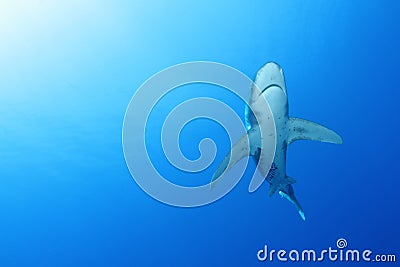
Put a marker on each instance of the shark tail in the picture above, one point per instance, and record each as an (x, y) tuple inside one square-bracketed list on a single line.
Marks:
[(289, 195), (300, 129)]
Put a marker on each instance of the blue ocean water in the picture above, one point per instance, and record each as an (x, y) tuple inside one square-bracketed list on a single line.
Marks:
[(68, 70)]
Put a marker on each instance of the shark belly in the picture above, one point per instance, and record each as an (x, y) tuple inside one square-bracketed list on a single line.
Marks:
[(277, 100)]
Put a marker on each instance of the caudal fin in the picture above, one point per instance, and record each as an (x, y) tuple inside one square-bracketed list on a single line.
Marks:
[(300, 129), (289, 195)]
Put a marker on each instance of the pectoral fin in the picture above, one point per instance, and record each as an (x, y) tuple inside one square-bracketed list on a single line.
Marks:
[(240, 150), (300, 129)]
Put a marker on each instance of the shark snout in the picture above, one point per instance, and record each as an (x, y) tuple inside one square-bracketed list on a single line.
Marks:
[(273, 66), (271, 75)]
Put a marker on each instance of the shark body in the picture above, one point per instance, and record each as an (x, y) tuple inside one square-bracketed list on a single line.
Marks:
[(271, 87)]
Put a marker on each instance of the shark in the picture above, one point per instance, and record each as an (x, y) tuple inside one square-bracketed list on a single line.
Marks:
[(270, 86)]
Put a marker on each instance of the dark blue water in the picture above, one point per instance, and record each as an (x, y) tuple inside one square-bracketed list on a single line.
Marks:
[(68, 70)]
